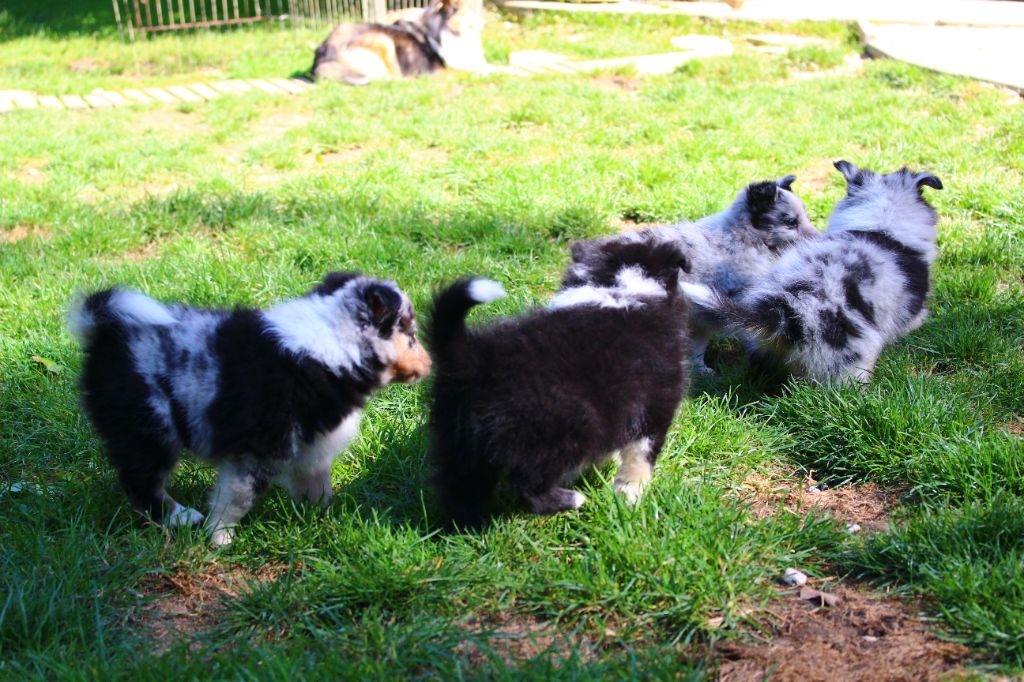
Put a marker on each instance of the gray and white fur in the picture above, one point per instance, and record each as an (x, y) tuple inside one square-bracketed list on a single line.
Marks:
[(829, 306), (729, 251)]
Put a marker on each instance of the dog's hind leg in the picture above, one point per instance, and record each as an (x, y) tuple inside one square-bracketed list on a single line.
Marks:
[(143, 463), (239, 485), (466, 494)]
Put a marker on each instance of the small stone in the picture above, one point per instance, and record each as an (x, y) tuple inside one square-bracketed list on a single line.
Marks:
[(853, 528), (814, 490), (818, 597), (794, 578), (870, 638)]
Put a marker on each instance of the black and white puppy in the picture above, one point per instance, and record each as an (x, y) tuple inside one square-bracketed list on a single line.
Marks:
[(729, 250), (536, 398), (829, 306), (267, 396)]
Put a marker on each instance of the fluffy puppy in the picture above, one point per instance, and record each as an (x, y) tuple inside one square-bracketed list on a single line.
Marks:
[(267, 396), (829, 306), (729, 250), (534, 399)]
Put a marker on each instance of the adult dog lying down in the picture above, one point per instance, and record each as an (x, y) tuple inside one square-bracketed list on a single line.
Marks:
[(445, 35)]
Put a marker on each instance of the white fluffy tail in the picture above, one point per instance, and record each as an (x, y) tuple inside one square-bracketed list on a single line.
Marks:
[(485, 290), (116, 306)]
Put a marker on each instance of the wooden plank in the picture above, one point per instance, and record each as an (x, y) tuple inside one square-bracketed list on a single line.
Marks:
[(50, 102), (184, 94), (265, 86), (287, 85), (73, 102), (115, 98), (161, 95), (97, 101), (136, 96), (204, 91)]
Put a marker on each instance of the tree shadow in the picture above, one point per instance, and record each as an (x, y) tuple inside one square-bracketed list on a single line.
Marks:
[(20, 18)]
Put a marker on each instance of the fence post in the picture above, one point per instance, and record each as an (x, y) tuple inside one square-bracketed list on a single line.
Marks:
[(380, 9)]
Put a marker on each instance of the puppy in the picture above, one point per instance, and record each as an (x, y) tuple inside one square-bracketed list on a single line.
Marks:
[(446, 34), (829, 306), (729, 250), (536, 398), (267, 396)]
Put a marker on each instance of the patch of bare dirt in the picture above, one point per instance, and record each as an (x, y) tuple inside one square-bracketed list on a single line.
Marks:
[(617, 82), (280, 123), (89, 64), (627, 225), (20, 232), (517, 637), (345, 156), (182, 604), (817, 176), (163, 120), (866, 637), (1016, 427), (158, 185), (31, 172), (866, 504)]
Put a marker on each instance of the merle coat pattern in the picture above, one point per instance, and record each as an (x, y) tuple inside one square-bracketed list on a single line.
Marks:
[(729, 250), (829, 306), (265, 395), (536, 398)]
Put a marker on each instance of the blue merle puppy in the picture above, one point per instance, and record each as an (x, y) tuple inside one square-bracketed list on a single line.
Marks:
[(729, 251), (534, 399), (829, 306), (267, 396)]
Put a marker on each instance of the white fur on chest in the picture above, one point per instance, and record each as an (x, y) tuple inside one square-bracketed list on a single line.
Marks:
[(326, 446)]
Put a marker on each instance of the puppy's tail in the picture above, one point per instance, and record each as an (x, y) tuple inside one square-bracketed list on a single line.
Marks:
[(768, 319), (447, 327), (115, 307)]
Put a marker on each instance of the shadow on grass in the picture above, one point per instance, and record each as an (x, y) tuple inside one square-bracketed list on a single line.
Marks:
[(19, 18)]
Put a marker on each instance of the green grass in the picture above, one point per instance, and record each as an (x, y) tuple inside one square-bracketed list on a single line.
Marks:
[(248, 200)]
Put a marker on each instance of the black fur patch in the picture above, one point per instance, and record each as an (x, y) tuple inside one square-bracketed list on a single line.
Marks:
[(836, 328), (776, 315), (910, 262), (603, 262), (334, 281), (854, 299)]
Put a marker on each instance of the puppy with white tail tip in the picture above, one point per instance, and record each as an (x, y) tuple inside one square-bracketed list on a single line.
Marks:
[(534, 399), (267, 396), (829, 306)]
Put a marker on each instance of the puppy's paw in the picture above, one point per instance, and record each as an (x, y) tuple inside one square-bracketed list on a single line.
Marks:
[(183, 516), (578, 500), (631, 491), (222, 537)]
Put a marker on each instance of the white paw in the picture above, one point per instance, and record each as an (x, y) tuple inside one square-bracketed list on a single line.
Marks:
[(631, 491), (182, 516), (222, 537), (578, 499)]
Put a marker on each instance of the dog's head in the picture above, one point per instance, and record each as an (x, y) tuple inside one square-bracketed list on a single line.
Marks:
[(601, 262), (777, 216), (894, 201), (351, 322)]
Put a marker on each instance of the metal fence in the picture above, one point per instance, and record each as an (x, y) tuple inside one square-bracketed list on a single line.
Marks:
[(137, 18)]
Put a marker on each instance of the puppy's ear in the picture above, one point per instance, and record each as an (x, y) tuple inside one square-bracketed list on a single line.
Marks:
[(850, 172), (334, 281), (384, 304), (786, 182), (927, 180), (761, 197)]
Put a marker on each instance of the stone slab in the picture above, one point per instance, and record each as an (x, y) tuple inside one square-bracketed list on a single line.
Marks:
[(161, 95), (954, 12), (136, 96), (204, 91), (73, 102), (183, 93), (97, 101), (995, 55), (265, 86)]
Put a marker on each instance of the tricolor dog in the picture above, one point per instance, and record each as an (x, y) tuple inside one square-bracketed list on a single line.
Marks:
[(265, 395)]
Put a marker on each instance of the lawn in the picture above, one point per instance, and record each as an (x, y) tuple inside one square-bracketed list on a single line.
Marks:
[(251, 199)]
